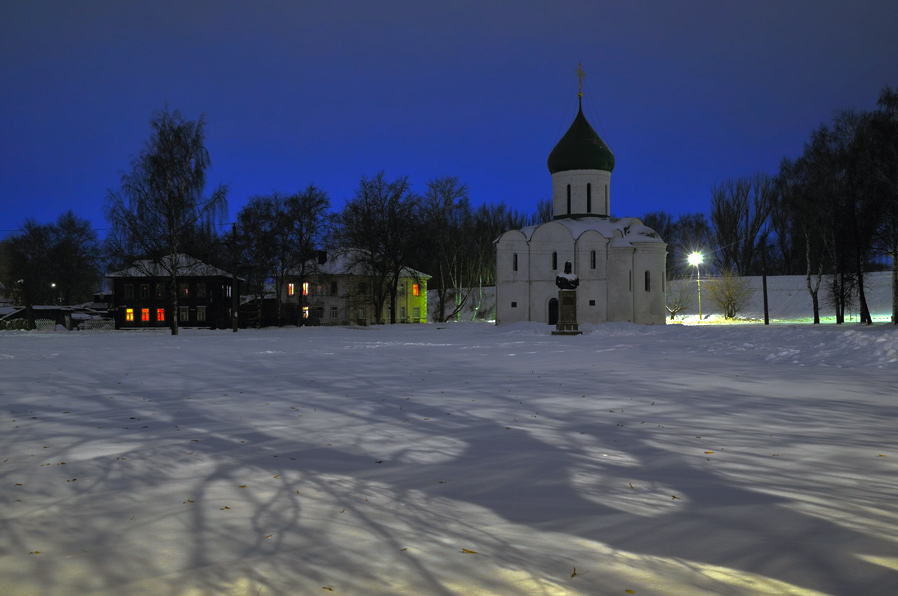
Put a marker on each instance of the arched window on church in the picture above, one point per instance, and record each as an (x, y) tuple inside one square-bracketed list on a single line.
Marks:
[(588, 197), (592, 259), (554, 261), (568, 199), (648, 281), (514, 262)]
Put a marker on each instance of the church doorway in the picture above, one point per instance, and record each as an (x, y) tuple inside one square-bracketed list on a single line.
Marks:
[(553, 311)]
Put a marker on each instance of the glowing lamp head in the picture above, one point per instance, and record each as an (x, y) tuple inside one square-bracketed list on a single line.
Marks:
[(695, 258)]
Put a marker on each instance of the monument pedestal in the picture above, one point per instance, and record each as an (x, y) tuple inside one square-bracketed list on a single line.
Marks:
[(567, 314)]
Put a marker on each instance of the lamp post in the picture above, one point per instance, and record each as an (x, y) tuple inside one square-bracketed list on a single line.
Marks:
[(695, 259)]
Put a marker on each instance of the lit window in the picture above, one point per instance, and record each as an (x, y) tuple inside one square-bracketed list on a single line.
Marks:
[(305, 289), (291, 289), (416, 291), (305, 312), (129, 314), (200, 313), (145, 315), (160, 314)]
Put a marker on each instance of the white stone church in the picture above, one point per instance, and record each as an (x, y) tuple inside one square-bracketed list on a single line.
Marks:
[(620, 262)]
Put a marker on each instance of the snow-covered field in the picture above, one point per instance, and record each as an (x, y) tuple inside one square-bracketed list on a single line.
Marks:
[(451, 459)]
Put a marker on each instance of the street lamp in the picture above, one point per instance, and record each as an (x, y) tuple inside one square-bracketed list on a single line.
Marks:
[(695, 259)]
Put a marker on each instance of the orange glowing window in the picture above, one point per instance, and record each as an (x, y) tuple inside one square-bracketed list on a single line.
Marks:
[(291, 289), (129, 314), (305, 289), (160, 314), (145, 314), (416, 291), (305, 312)]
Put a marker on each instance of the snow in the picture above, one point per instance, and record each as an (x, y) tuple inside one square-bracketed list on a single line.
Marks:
[(451, 459)]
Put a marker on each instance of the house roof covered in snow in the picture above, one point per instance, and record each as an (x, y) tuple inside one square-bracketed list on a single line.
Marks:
[(351, 262), (186, 265)]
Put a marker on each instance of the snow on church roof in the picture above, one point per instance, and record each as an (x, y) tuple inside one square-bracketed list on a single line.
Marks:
[(629, 229)]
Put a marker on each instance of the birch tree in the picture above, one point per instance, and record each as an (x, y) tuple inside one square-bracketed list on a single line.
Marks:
[(161, 200)]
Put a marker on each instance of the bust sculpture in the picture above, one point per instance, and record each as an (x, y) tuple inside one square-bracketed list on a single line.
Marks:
[(567, 280)]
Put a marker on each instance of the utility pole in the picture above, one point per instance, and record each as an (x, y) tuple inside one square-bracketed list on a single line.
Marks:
[(764, 279), (235, 294)]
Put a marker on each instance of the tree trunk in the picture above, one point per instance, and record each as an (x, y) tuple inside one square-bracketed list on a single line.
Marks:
[(894, 254), (862, 298), (813, 291), (174, 300)]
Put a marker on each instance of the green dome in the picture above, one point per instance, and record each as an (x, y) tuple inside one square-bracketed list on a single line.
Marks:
[(580, 148)]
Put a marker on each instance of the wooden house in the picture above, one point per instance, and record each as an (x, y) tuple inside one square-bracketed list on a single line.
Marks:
[(141, 295)]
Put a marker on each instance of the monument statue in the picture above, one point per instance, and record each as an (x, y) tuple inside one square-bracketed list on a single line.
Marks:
[(567, 280)]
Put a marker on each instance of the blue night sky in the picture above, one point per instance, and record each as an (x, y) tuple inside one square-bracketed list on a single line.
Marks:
[(686, 94)]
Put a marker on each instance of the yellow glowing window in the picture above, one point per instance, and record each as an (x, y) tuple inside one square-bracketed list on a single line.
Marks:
[(145, 314), (160, 314), (416, 291), (291, 289), (305, 289), (305, 312), (129, 314)]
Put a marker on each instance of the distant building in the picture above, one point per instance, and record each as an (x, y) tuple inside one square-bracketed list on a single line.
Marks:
[(141, 295), (620, 262), (340, 292)]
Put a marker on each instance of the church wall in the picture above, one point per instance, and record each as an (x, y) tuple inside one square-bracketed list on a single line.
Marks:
[(649, 306), (551, 245), (593, 280), (512, 283), (620, 265), (599, 181)]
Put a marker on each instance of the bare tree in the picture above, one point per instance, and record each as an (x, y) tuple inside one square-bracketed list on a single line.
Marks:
[(308, 213), (730, 292), (446, 214), (161, 199), (56, 263), (378, 228), (739, 211), (679, 296), (884, 127)]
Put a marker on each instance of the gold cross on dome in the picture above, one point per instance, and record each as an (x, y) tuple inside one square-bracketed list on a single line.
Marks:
[(580, 76)]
